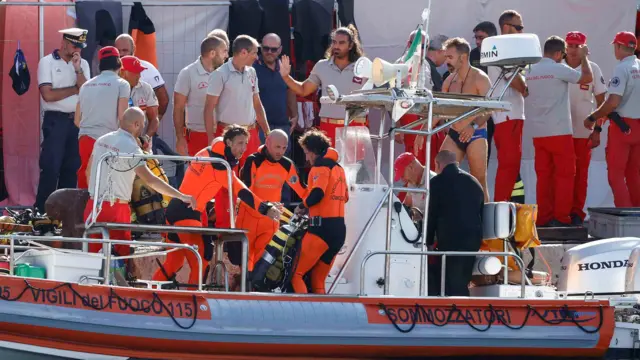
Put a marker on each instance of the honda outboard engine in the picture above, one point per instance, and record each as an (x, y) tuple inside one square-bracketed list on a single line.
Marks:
[(597, 267)]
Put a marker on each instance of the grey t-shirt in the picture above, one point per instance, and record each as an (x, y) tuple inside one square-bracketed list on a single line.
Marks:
[(98, 101), (236, 90), (547, 106), (326, 73), (626, 83), (193, 82), (116, 175), (143, 96)]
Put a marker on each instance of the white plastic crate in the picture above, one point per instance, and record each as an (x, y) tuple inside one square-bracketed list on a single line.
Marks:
[(69, 265), (603, 223)]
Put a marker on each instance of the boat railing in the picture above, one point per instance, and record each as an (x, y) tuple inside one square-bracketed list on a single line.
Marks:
[(443, 254), (228, 235), (144, 157), (107, 250)]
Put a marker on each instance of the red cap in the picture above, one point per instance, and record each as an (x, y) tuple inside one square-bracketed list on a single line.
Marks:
[(401, 164), (132, 64), (625, 38), (108, 51), (576, 38)]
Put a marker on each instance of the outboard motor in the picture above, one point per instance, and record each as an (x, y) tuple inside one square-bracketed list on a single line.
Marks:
[(597, 267), (279, 259)]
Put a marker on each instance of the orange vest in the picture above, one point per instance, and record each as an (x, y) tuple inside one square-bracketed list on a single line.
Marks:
[(328, 176)]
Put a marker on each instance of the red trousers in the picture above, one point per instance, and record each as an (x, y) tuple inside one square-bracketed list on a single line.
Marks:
[(85, 144), (174, 261), (196, 141), (116, 213), (223, 220), (582, 149), (508, 140), (555, 163), (623, 163)]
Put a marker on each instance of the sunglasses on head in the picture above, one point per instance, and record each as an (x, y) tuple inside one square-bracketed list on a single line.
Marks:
[(269, 49), (517, 27)]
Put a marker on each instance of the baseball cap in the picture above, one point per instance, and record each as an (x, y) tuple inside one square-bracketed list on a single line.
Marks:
[(625, 38), (401, 164), (108, 51), (576, 38), (132, 64), (437, 42)]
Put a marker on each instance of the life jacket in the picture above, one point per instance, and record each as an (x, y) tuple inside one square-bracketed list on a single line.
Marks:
[(525, 236), (278, 262), (148, 205)]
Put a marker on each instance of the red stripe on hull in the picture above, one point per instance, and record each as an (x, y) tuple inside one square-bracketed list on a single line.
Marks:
[(117, 345)]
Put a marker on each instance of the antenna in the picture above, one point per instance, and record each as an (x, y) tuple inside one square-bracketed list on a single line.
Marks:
[(426, 14)]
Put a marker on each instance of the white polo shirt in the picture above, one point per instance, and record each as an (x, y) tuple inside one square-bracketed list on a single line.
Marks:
[(236, 90), (547, 106), (143, 96), (511, 95), (116, 175), (583, 102), (151, 75), (54, 71), (193, 82), (98, 101), (626, 83), (326, 73)]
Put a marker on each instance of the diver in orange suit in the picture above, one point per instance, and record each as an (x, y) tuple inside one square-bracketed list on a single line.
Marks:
[(203, 180), (265, 172), (325, 201)]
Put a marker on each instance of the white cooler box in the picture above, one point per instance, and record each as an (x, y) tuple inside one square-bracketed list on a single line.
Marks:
[(68, 266), (614, 222)]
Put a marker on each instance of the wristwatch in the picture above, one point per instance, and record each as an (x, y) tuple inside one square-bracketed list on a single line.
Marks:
[(597, 128), (79, 71)]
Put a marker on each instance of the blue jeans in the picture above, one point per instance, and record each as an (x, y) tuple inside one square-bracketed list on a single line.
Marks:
[(286, 190)]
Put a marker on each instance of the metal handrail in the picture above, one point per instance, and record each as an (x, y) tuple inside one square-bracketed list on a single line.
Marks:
[(107, 249), (96, 191), (444, 254), (103, 228)]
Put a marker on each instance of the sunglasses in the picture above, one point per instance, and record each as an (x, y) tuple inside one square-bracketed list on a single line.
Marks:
[(270, 49), (517, 27)]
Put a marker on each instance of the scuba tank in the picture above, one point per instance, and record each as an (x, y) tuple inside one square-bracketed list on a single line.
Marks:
[(279, 259)]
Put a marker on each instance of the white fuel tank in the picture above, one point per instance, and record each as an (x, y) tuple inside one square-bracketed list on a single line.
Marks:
[(599, 266)]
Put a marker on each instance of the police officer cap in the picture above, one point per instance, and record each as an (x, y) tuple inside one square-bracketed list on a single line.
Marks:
[(76, 36)]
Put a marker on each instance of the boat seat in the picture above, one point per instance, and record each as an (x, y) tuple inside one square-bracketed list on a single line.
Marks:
[(498, 220)]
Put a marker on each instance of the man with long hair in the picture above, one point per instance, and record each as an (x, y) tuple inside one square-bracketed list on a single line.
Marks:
[(336, 69)]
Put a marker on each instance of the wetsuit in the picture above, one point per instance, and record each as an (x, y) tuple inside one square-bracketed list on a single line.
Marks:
[(203, 180), (326, 199), (265, 177)]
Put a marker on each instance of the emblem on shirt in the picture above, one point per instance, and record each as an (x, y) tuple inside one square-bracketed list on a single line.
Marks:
[(357, 80), (203, 85), (615, 81), (584, 87), (156, 78), (294, 179), (315, 177), (602, 79)]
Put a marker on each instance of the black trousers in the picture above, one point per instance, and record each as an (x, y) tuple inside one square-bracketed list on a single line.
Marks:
[(59, 156), (457, 276)]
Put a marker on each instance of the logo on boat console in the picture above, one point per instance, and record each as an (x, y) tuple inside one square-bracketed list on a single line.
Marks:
[(489, 54), (601, 265)]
